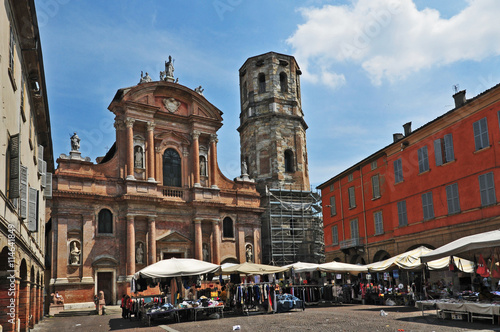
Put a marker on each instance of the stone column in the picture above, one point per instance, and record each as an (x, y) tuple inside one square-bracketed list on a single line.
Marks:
[(198, 250), (196, 157), (151, 240), (213, 160), (257, 247), (216, 240), (130, 148), (151, 152), (130, 245)]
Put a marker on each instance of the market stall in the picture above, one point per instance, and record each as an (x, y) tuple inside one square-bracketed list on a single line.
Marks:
[(253, 288), (176, 276), (483, 301)]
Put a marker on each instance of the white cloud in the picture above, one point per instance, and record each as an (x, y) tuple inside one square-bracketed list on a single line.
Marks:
[(391, 39)]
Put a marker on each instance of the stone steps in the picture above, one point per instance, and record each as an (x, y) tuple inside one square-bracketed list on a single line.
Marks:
[(77, 312)]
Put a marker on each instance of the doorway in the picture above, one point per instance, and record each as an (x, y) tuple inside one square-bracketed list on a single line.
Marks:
[(105, 284), (168, 255)]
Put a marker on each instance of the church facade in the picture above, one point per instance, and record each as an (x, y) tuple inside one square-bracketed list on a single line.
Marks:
[(157, 194)]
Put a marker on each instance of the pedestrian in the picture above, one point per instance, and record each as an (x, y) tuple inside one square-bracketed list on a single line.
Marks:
[(123, 305)]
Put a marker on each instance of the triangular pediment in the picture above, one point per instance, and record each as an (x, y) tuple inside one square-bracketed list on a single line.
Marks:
[(173, 237)]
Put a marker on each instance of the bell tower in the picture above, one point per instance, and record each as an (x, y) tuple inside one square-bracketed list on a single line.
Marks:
[(272, 127)]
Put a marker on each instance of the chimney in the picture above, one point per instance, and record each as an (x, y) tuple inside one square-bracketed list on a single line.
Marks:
[(397, 136), (459, 98), (407, 127)]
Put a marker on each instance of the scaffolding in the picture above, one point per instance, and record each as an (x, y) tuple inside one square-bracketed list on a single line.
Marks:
[(292, 227)]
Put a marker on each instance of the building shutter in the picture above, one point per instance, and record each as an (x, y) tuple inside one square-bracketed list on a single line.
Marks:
[(40, 159), (44, 171), (438, 153), (33, 210), (448, 148), (23, 206), (47, 193), (14, 166)]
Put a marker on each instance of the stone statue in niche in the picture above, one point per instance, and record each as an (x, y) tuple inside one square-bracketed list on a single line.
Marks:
[(206, 254), (138, 157), (249, 253), (139, 254), (203, 166), (244, 168), (75, 142), (74, 254)]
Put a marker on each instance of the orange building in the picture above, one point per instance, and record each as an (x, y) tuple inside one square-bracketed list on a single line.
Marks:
[(158, 193), (429, 187)]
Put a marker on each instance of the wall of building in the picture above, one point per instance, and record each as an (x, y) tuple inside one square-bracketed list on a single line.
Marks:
[(463, 170), (26, 145)]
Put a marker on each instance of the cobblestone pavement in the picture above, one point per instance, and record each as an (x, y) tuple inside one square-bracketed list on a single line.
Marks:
[(334, 318)]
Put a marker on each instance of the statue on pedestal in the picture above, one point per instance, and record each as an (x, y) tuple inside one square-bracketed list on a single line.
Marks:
[(75, 142)]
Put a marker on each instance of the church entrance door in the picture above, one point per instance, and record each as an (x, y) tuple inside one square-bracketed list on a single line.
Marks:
[(104, 283)]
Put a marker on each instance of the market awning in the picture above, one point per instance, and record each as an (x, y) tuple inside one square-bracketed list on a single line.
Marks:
[(411, 260), (300, 267), (472, 242), (177, 267), (339, 267), (252, 269)]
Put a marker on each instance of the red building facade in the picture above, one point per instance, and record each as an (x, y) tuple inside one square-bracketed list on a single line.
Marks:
[(429, 187)]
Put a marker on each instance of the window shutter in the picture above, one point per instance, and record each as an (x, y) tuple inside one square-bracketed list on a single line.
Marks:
[(23, 190), (40, 159), (44, 171), (14, 166), (33, 210), (448, 148), (438, 153), (47, 193)]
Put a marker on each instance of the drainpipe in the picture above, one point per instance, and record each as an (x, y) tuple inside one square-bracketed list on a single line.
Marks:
[(364, 214)]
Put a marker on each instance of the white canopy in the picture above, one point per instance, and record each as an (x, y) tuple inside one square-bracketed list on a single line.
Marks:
[(300, 267), (411, 260), (177, 267), (342, 267), (472, 242), (252, 269)]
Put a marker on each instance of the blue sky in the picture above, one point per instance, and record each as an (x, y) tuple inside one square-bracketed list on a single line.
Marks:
[(369, 66)]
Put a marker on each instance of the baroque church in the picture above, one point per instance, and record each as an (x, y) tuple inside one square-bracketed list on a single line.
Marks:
[(158, 193)]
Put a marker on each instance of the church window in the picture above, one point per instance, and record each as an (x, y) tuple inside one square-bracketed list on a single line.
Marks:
[(244, 91), (283, 82), (262, 83), (289, 161), (227, 228), (171, 168), (105, 222)]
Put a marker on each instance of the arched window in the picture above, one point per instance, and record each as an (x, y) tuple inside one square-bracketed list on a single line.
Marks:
[(227, 228), (244, 92), (289, 161), (171, 168), (262, 83), (105, 222), (283, 82)]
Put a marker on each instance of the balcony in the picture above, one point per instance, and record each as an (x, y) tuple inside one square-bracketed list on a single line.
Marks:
[(351, 243), (173, 192)]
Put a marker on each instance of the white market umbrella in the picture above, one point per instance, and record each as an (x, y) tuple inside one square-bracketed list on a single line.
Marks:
[(300, 267), (338, 267), (177, 267), (472, 242), (252, 269)]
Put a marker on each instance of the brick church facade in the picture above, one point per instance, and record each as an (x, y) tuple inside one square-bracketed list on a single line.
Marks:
[(158, 193)]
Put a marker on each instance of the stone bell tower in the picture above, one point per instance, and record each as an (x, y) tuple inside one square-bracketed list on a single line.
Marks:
[(272, 127)]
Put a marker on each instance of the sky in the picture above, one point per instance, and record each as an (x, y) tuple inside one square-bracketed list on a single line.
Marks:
[(369, 66)]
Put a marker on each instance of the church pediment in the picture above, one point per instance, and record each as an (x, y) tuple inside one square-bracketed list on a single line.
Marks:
[(104, 261), (173, 237)]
